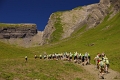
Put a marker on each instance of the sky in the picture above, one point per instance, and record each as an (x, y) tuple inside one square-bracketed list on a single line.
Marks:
[(36, 11)]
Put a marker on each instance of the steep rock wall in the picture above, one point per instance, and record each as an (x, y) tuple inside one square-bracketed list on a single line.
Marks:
[(67, 21), (25, 35), (90, 15), (48, 29), (17, 30), (27, 41)]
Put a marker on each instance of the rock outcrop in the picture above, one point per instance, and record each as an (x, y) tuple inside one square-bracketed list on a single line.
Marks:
[(25, 35), (17, 30), (90, 15), (48, 30), (60, 25)]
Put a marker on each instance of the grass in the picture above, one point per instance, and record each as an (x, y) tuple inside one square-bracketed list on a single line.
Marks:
[(78, 8), (15, 25), (57, 34), (105, 38), (10, 51), (13, 66), (40, 69)]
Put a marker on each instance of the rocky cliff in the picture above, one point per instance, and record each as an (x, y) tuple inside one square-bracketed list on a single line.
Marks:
[(17, 30), (25, 35), (69, 21), (60, 25)]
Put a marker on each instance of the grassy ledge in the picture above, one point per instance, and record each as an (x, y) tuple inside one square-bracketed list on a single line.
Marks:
[(17, 25)]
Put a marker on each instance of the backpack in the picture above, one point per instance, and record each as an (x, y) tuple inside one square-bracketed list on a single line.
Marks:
[(101, 63)]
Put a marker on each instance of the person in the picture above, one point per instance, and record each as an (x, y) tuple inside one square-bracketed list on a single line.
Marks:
[(101, 68), (25, 58), (45, 55), (86, 56), (75, 56), (96, 60), (49, 56), (106, 64), (70, 56), (89, 58), (79, 58), (35, 56), (83, 59), (40, 56)]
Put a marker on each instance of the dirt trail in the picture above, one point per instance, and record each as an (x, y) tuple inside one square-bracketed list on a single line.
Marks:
[(112, 75)]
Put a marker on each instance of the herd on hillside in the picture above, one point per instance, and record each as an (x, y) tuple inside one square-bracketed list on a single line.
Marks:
[(101, 60)]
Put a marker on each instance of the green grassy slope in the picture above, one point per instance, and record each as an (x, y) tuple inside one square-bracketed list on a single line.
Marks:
[(12, 52), (104, 38), (14, 67), (14, 25), (56, 35)]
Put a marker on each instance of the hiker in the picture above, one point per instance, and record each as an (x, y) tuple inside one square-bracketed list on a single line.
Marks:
[(56, 54), (75, 56), (101, 68), (45, 56), (89, 58), (86, 58), (61, 56), (64, 55), (49, 56), (53, 56), (25, 58), (40, 56), (97, 60), (70, 57), (67, 56), (79, 58), (83, 59), (106, 64), (35, 56)]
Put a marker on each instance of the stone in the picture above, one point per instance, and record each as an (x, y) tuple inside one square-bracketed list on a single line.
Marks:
[(17, 30)]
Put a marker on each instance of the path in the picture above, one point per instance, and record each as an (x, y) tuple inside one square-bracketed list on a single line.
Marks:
[(112, 75)]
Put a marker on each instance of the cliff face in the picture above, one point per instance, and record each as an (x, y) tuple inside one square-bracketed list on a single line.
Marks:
[(25, 35), (17, 30), (60, 25), (90, 15), (48, 30)]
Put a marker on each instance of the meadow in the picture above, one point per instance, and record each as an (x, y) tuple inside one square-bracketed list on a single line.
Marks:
[(103, 38)]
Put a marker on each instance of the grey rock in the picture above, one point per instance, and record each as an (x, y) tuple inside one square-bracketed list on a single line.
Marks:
[(92, 15), (18, 31)]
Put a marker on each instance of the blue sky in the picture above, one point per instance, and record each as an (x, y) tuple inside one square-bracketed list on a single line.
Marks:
[(36, 11)]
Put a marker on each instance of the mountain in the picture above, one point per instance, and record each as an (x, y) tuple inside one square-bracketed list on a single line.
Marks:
[(82, 37), (61, 24)]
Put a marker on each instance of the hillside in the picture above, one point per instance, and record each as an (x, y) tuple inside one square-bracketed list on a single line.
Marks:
[(103, 38), (62, 24), (14, 67), (85, 37)]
